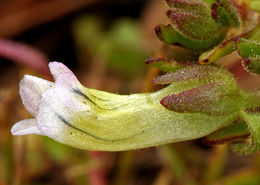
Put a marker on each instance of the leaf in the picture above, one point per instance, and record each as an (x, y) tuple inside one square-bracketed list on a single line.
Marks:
[(194, 26), (234, 132), (251, 25), (212, 98), (250, 52), (166, 64), (224, 12), (197, 26), (196, 72), (251, 30), (218, 93), (169, 35), (221, 50), (194, 6), (253, 144)]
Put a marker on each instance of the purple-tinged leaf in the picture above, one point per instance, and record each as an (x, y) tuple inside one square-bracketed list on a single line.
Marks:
[(194, 26), (224, 12), (196, 6), (192, 73), (212, 98)]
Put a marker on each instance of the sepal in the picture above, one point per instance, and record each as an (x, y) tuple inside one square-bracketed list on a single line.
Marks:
[(224, 12), (197, 26), (166, 65), (251, 145), (212, 98), (236, 132), (250, 53), (203, 73)]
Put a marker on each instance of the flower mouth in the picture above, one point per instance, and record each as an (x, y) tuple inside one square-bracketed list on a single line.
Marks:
[(38, 94)]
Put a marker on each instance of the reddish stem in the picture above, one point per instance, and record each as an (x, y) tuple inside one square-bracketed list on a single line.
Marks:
[(98, 175), (24, 55)]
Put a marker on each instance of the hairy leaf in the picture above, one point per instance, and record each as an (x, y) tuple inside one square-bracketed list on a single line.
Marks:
[(250, 31), (232, 133), (166, 64), (212, 98), (194, 26), (169, 35), (194, 6), (196, 72), (198, 25), (224, 12), (253, 144), (221, 50), (250, 52)]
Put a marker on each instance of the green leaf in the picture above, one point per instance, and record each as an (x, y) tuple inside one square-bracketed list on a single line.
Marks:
[(166, 65), (194, 6), (251, 26), (221, 50), (250, 52), (234, 132), (224, 12), (169, 35), (251, 30), (253, 145), (196, 26), (205, 73), (248, 49)]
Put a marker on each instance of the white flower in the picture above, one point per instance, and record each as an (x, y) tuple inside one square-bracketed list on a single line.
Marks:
[(47, 102), (91, 119)]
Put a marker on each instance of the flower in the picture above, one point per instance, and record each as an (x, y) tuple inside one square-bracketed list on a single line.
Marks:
[(91, 119), (46, 101)]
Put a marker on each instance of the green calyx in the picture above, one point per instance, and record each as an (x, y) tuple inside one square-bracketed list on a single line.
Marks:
[(216, 93), (250, 53), (197, 25), (236, 132), (247, 45)]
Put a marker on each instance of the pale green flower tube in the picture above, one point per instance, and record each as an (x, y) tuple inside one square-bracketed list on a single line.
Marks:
[(95, 120)]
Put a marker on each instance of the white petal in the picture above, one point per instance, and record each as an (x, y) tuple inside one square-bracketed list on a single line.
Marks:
[(31, 89), (25, 127), (48, 117), (65, 87), (71, 100), (67, 80), (58, 68)]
